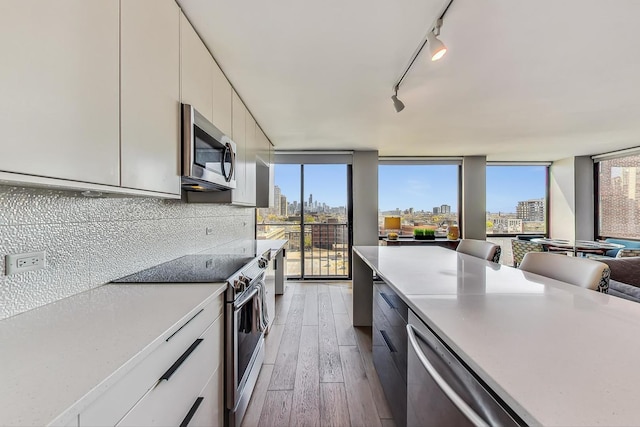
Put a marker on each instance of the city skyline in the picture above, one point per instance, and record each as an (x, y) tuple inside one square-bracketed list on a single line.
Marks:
[(420, 187)]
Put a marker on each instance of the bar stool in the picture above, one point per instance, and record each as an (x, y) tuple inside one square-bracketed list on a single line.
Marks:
[(582, 272)]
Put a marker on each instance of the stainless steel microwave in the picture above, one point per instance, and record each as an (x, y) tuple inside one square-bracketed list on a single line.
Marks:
[(208, 155)]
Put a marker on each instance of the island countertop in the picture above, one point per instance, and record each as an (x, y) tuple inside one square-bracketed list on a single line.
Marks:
[(557, 354)]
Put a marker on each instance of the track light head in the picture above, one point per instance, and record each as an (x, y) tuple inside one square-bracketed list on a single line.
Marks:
[(436, 47), (397, 104)]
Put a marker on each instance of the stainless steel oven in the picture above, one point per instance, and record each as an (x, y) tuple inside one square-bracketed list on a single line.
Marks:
[(208, 155), (246, 320)]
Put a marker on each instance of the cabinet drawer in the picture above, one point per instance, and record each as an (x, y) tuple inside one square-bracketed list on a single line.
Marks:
[(114, 403), (170, 400), (210, 411)]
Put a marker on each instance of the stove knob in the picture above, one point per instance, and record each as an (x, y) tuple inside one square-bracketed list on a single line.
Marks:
[(262, 263), (244, 281), (237, 284)]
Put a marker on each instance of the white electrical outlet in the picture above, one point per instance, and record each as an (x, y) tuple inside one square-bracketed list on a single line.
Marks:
[(18, 263)]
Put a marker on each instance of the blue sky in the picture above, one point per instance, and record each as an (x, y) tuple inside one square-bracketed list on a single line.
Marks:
[(421, 186)]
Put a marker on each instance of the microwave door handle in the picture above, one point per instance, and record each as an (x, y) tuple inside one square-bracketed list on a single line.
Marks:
[(462, 406), (233, 163), (228, 151)]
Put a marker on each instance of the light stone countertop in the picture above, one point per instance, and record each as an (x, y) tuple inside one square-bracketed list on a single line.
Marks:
[(557, 354), (273, 245), (54, 360)]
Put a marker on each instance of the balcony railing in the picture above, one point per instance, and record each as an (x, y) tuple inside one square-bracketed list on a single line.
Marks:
[(324, 247)]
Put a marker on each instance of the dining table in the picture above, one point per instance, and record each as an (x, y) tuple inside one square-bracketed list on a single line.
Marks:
[(578, 246)]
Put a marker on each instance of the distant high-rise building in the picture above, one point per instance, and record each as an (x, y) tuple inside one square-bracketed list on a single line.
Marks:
[(531, 210), (284, 208), (445, 209), (310, 200), (436, 210), (276, 200)]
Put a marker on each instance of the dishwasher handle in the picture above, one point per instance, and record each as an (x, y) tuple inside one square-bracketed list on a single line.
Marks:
[(464, 408)]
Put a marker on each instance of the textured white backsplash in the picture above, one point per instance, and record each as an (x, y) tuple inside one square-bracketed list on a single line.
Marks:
[(90, 242)]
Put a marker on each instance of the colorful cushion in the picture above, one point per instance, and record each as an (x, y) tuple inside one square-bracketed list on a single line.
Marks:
[(632, 244), (626, 253), (521, 247)]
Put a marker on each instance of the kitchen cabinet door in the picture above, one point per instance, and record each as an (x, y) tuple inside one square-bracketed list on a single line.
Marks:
[(221, 101), (270, 289), (59, 89), (210, 409), (150, 95), (264, 171), (239, 136), (252, 148), (196, 70)]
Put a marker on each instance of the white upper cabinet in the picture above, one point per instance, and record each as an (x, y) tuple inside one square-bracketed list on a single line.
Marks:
[(196, 75), (150, 95), (252, 148), (59, 89), (239, 136), (264, 171), (221, 101)]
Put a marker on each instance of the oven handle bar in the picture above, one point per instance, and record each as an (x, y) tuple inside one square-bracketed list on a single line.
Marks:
[(237, 305)]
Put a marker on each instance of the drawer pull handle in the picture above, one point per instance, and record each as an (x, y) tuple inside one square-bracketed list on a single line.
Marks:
[(385, 297), (192, 412), (387, 341), (185, 324), (180, 360), (413, 335)]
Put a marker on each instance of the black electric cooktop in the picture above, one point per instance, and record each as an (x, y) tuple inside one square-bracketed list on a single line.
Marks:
[(191, 269), (213, 265)]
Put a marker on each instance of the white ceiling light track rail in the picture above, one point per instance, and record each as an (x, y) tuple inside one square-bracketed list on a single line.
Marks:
[(437, 50)]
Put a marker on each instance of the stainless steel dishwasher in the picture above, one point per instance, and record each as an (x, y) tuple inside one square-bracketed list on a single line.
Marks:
[(442, 390)]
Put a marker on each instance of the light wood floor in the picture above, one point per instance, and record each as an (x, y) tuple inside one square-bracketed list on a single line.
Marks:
[(318, 369)]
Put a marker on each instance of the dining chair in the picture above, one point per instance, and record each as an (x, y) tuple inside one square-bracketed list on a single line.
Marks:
[(481, 249), (521, 247), (583, 272)]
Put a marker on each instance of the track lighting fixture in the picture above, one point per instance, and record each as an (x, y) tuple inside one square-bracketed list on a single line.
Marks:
[(436, 47), (437, 50), (397, 104)]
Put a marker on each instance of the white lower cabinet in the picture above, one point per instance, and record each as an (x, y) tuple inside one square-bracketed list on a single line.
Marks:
[(162, 389), (210, 410), (169, 402), (270, 290)]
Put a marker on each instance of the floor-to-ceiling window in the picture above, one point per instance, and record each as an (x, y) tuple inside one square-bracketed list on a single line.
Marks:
[(418, 194), (311, 211), (517, 203), (618, 196)]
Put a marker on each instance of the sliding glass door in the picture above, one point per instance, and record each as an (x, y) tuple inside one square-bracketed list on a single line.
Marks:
[(311, 210)]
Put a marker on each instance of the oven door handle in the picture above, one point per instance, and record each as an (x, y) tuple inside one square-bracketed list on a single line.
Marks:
[(237, 305)]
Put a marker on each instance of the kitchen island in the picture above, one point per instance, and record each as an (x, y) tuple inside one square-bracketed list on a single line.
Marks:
[(554, 353)]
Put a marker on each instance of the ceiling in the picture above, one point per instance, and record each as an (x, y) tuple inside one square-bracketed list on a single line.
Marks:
[(526, 80)]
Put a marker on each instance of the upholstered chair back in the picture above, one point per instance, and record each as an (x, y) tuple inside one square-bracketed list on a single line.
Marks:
[(583, 272), (481, 249)]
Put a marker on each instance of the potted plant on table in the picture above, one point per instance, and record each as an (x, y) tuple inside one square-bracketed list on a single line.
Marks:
[(424, 234), (429, 234)]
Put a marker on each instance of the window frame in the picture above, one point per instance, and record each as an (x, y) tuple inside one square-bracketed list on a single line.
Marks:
[(427, 161), (597, 159), (547, 197)]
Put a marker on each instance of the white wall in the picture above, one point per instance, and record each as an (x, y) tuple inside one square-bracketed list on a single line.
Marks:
[(365, 198), (474, 197), (571, 189), (90, 242)]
